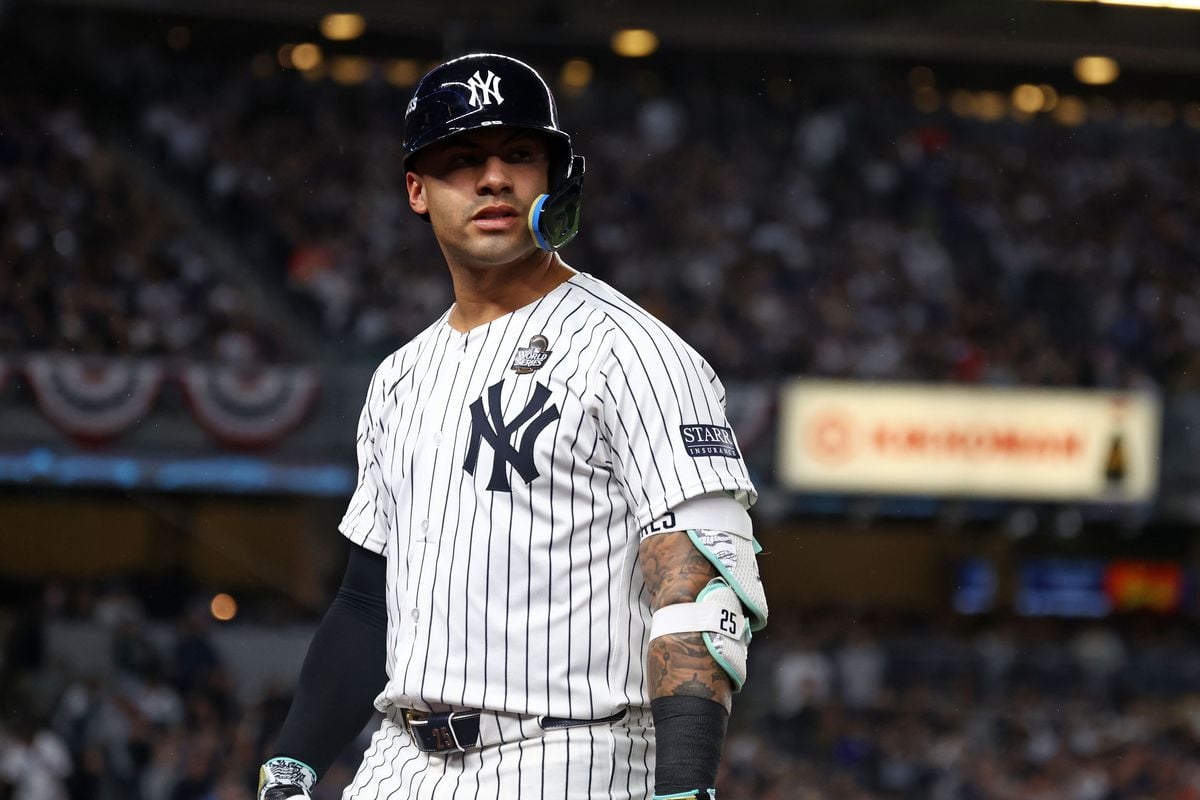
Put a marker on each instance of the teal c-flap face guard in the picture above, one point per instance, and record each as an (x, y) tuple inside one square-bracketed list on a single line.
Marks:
[(554, 218)]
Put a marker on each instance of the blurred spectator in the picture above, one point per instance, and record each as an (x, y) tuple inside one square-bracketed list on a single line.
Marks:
[(196, 658), (860, 666), (803, 680), (34, 762)]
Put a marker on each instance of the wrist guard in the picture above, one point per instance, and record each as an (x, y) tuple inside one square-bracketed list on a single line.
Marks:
[(694, 794), (282, 778)]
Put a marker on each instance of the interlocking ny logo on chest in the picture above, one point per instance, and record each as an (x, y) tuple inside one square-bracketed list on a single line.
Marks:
[(489, 425)]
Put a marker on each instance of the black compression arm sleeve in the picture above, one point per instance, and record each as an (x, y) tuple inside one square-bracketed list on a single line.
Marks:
[(689, 733), (344, 668)]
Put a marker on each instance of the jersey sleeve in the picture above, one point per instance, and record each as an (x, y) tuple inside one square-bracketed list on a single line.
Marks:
[(365, 520), (661, 409)]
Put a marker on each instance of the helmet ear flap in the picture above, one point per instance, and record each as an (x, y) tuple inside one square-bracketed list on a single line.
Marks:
[(554, 217)]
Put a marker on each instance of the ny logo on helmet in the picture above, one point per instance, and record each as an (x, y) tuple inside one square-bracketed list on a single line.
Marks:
[(484, 91)]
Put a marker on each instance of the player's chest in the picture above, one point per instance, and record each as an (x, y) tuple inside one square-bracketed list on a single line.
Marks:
[(498, 422)]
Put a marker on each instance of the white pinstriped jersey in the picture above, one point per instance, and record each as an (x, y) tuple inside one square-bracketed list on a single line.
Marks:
[(506, 478)]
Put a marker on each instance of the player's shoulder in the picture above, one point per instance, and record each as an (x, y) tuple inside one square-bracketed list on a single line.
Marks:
[(632, 329), (395, 367)]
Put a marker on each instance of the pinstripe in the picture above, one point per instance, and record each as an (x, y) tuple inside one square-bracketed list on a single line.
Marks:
[(445, 770), (425, 550), (453, 561), (528, 599), (422, 769), (633, 459), (690, 368), (441, 362), (368, 772)]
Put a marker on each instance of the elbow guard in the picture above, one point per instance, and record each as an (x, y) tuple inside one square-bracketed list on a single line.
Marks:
[(731, 606), (717, 615)]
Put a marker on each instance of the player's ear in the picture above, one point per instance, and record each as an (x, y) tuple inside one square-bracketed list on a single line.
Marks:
[(416, 193)]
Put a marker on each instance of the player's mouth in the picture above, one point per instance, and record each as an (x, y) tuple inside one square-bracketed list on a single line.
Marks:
[(496, 218)]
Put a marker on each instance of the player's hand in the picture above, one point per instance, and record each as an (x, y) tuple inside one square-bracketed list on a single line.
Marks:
[(283, 778)]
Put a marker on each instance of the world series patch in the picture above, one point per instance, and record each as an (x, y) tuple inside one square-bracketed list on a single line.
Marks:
[(530, 359), (709, 440)]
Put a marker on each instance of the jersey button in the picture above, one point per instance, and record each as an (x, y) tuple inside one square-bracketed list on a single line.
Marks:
[(416, 615), (437, 438), (424, 524)]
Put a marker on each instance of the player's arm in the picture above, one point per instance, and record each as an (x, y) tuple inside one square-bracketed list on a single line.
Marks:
[(706, 597), (690, 695), (679, 665), (343, 671)]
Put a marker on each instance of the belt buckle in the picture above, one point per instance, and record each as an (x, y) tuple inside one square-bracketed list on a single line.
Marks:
[(437, 739), (412, 715)]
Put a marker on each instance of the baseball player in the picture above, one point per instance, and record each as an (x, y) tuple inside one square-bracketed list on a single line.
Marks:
[(553, 580)]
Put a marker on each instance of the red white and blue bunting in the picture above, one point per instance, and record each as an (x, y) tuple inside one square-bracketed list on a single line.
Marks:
[(96, 399), (93, 399), (249, 407)]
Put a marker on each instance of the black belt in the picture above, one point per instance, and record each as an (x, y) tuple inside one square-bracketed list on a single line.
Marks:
[(459, 730)]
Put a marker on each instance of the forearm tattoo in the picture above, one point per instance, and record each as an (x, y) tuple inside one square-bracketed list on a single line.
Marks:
[(679, 664)]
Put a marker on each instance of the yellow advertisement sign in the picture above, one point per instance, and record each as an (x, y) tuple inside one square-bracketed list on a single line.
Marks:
[(952, 440)]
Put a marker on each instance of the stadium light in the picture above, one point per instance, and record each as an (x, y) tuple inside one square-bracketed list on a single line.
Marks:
[(575, 75), (962, 103), (306, 56), (1049, 96), (223, 607), (285, 54), (1028, 98), (342, 27), (1178, 5), (1070, 111), (634, 42), (402, 72), (990, 106), (1096, 70), (350, 70)]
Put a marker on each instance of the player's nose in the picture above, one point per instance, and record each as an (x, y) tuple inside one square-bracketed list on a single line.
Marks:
[(494, 178)]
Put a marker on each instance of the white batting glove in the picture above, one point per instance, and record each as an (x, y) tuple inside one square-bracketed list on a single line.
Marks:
[(283, 778)]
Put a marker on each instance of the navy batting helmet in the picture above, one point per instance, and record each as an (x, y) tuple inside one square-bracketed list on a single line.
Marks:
[(484, 89)]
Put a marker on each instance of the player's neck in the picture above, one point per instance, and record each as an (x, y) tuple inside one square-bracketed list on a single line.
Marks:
[(483, 295)]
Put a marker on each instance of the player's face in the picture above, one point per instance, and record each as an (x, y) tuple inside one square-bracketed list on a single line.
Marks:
[(477, 188)]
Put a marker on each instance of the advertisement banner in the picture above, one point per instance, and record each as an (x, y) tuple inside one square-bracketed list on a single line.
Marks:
[(1003, 443), (1061, 587), (1160, 586)]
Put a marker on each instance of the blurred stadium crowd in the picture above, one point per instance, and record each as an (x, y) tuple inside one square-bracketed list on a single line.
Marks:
[(92, 262), (840, 705), (821, 225)]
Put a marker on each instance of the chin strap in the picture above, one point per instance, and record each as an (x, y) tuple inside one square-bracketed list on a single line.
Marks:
[(554, 217)]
